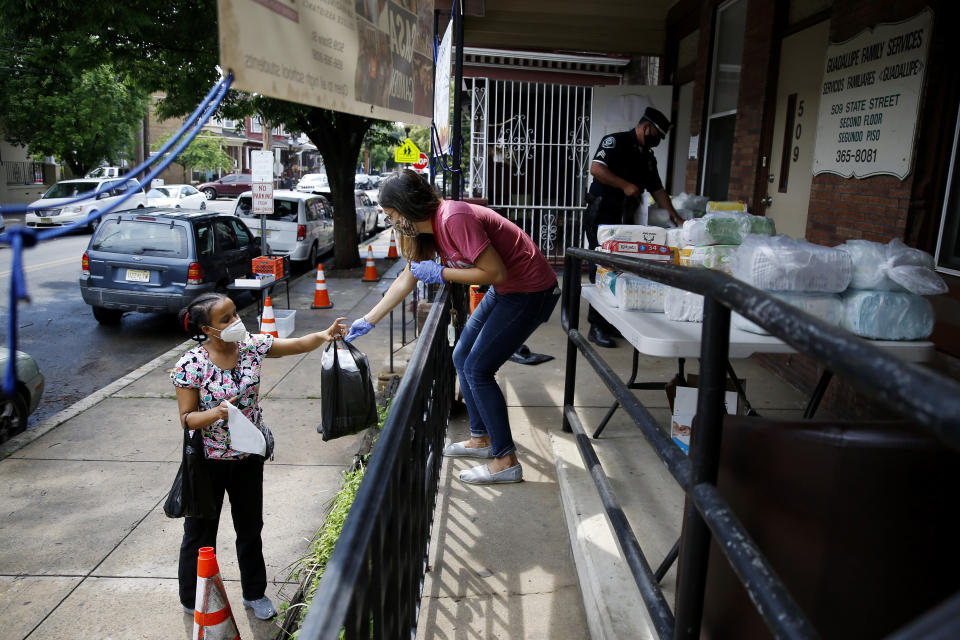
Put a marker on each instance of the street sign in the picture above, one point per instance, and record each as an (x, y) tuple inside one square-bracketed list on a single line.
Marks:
[(262, 197), (421, 164), (407, 152), (261, 166)]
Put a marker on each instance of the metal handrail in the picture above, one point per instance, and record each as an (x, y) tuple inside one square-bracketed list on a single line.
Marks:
[(931, 400), (372, 584)]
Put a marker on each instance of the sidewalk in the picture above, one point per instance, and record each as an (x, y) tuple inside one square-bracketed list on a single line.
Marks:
[(88, 552)]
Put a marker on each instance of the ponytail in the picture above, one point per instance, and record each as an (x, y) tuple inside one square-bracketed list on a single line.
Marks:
[(196, 315)]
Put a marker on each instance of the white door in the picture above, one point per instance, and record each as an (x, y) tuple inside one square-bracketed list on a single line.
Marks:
[(794, 128)]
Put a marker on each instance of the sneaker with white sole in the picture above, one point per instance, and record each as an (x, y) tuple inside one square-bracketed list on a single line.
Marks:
[(461, 450), (482, 475), (262, 608)]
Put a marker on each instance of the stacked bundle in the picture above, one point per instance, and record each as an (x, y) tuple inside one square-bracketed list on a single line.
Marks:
[(628, 291)]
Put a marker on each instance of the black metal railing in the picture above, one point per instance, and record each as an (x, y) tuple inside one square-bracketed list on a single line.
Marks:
[(930, 401), (372, 584), (23, 172)]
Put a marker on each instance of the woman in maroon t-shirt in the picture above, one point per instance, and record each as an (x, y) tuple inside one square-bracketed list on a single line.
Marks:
[(476, 245)]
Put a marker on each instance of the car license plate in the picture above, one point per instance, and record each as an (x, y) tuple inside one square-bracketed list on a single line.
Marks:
[(256, 232), (138, 275), (46, 220)]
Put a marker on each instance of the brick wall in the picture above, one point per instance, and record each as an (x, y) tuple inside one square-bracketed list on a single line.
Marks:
[(159, 129)]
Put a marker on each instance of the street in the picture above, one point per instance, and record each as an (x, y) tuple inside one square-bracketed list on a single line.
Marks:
[(75, 353)]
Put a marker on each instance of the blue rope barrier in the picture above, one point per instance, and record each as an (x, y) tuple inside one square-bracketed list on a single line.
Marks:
[(20, 237)]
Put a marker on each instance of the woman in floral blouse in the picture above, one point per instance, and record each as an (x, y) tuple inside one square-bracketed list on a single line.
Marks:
[(225, 367)]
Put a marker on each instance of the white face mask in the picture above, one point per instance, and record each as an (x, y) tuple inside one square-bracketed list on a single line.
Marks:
[(234, 332)]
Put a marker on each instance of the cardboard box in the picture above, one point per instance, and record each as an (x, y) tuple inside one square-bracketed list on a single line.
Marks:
[(683, 404)]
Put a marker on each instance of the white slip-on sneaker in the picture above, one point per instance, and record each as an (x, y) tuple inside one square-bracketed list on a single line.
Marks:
[(461, 450), (262, 608), (482, 475)]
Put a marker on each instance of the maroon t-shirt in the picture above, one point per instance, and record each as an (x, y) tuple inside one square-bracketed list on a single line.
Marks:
[(462, 231)]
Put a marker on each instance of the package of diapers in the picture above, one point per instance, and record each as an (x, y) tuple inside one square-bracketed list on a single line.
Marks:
[(683, 306), (893, 267), (826, 306), (606, 279), (675, 237), (715, 256), (780, 263), (639, 294), (631, 233), (887, 315)]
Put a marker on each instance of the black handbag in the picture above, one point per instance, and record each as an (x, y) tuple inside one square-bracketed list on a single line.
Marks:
[(348, 404), (191, 494)]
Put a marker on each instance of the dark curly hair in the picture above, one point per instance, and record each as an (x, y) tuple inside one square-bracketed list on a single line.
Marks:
[(412, 197), (195, 315)]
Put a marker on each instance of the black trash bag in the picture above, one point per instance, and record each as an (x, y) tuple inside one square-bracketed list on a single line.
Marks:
[(192, 493), (346, 389)]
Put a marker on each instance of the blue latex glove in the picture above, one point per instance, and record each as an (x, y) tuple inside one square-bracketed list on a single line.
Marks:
[(360, 327), (427, 271)]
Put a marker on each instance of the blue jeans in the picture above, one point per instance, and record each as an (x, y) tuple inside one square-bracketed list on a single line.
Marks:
[(498, 326)]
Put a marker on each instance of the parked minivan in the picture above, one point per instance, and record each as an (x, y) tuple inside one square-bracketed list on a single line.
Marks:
[(301, 225), (157, 260), (66, 190)]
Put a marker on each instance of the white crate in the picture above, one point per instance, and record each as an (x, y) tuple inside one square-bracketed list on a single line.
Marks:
[(285, 321)]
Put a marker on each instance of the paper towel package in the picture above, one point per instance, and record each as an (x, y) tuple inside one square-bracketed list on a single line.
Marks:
[(639, 294), (639, 250), (892, 267), (887, 315), (631, 233), (826, 306), (780, 263), (683, 306)]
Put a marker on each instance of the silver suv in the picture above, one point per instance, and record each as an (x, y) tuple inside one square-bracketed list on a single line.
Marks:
[(66, 190)]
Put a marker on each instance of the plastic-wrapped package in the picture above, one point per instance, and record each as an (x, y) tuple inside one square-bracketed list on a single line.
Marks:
[(726, 227), (728, 205), (887, 315), (826, 306), (892, 267), (762, 225), (683, 306), (639, 294), (694, 232), (631, 233), (715, 256), (675, 237), (607, 279), (780, 263), (689, 205)]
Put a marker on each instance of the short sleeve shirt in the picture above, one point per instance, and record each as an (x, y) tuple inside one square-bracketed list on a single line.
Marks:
[(622, 154), (462, 231), (195, 370)]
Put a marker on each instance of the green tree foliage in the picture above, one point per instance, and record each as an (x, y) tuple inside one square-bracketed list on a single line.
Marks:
[(204, 153), (82, 119), (380, 142)]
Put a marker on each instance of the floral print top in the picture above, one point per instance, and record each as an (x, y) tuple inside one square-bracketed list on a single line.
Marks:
[(195, 370)]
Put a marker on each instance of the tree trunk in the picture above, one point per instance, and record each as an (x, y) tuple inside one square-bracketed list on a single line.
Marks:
[(338, 137)]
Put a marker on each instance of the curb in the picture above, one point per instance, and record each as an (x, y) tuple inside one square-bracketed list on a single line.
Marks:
[(23, 439)]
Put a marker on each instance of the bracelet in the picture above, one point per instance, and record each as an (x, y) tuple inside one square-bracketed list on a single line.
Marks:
[(185, 425)]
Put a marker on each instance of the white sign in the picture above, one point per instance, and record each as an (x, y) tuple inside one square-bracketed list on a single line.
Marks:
[(869, 100), (261, 166), (371, 58), (262, 193), (441, 96), (694, 147)]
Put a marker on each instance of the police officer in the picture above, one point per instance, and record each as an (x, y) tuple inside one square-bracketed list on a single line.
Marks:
[(623, 167)]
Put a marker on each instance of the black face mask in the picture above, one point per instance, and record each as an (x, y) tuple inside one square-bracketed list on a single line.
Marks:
[(651, 140)]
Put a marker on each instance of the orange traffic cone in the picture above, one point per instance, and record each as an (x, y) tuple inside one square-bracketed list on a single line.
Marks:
[(370, 273), (321, 299), (268, 323), (212, 618), (392, 251)]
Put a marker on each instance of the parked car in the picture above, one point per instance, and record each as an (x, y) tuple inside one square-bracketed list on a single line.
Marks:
[(362, 181), (14, 411), (383, 220), (366, 210), (158, 260), (301, 225), (231, 185), (310, 181), (104, 172), (178, 196), (66, 190)]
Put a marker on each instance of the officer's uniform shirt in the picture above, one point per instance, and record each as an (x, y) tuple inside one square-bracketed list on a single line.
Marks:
[(622, 154)]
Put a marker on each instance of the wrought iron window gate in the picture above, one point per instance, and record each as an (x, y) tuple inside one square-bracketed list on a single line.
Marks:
[(530, 156)]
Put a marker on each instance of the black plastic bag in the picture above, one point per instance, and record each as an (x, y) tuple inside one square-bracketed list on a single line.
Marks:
[(346, 387), (191, 494)]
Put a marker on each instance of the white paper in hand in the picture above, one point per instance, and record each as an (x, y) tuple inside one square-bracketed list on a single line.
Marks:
[(244, 436)]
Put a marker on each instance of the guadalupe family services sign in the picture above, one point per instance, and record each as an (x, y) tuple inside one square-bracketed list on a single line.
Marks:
[(869, 100), (371, 58)]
